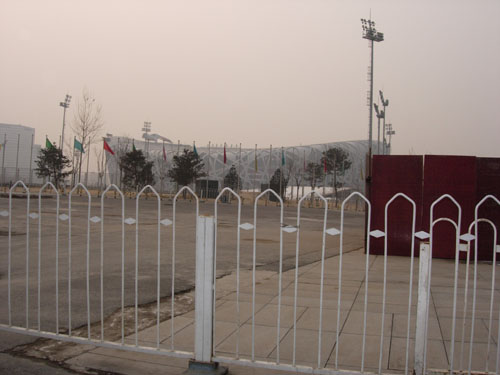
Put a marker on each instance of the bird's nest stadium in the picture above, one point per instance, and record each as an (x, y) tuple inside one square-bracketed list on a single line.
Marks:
[(255, 166)]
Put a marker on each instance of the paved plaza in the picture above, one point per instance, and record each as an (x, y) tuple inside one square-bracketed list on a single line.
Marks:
[(226, 335)]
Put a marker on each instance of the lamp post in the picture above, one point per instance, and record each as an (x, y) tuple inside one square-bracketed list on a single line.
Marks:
[(65, 105), (390, 133), (385, 103), (371, 34), (380, 114)]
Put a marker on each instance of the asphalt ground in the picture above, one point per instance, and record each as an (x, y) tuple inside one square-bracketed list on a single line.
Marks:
[(146, 244)]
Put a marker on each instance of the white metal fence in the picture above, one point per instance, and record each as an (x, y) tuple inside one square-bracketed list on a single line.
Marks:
[(417, 313)]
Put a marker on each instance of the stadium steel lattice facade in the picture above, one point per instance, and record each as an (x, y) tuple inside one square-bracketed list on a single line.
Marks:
[(255, 166)]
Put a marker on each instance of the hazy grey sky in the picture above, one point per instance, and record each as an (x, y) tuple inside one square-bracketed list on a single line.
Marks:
[(281, 72)]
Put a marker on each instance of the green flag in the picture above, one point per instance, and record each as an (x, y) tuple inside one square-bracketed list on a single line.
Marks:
[(133, 147), (282, 157), (48, 144), (195, 150), (78, 146)]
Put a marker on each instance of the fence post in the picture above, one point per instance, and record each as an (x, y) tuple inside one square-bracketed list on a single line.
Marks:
[(422, 308), (205, 245)]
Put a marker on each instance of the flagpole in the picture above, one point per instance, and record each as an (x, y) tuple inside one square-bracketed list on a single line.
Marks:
[(178, 149), (324, 175), (73, 165), (80, 166), (208, 171), (3, 157), (105, 159), (255, 172), (302, 180), (239, 172), (224, 166), (17, 156), (88, 160), (163, 168), (31, 157), (281, 171), (101, 169)]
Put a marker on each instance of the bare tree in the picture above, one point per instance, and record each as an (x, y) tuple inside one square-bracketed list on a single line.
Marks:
[(160, 169), (87, 124)]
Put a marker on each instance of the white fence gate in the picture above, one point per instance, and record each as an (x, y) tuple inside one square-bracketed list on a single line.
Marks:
[(417, 317)]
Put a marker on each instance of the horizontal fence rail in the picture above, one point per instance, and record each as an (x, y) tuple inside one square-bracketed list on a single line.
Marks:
[(372, 286)]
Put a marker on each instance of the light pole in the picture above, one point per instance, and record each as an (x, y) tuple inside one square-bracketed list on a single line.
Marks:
[(380, 114), (390, 133), (385, 103), (371, 34), (146, 129), (65, 105)]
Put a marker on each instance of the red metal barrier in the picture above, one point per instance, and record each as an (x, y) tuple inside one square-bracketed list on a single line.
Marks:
[(391, 175), (488, 182), (466, 178), (456, 176)]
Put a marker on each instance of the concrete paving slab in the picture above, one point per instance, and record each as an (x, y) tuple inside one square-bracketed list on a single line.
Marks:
[(400, 326), (352, 358), (306, 348), (345, 304), (480, 330), (130, 365), (480, 356), (265, 341), (436, 354), (309, 320), (355, 323), (268, 315)]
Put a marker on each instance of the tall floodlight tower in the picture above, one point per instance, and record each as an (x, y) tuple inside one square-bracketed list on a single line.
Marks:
[(390, 133), (146, 129), (385, 103), (371, 34), (380, 114), (65, 105)]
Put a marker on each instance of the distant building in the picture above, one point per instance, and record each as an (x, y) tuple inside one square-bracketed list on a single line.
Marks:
[(18, 154)]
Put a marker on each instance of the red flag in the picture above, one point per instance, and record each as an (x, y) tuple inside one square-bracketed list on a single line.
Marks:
[(164, 153), (225, 158), (107, 148), (324, 163)]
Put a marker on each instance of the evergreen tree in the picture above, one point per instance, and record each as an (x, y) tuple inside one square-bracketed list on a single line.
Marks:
[(187, 168), (232, 179), (276, 182), (337, 162), (137, 172), (51, 163)]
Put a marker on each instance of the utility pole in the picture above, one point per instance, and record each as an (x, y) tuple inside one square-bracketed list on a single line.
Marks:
[(146, 129)]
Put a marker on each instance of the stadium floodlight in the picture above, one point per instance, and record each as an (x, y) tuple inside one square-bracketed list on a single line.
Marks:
[(390, 133), (380, 114), (65, 105), (146, 129), (385, 103), (371, 34)]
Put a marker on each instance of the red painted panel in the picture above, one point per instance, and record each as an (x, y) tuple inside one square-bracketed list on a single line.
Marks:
[(456, 176), (488, 182), (391, 175)]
